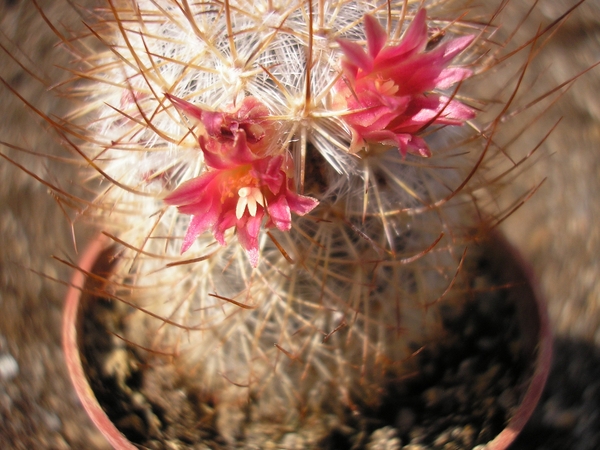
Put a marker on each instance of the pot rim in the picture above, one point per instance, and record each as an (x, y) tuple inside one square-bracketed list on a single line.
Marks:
[(543, 349), (71, 348)]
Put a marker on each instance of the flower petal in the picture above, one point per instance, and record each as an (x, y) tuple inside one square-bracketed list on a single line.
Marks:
[(418, 146), (376, 35), (375, 110), (451, 76), (455, 112), (225, 221), (301, 204), (191, 190), (198, 225), (188, 108), (356, 55), (413, 41), (248, 230), (280, 214), (455, 46), (199, 207), (269, 172)]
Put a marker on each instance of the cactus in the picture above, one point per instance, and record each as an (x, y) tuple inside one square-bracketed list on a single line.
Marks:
[(292, 187)]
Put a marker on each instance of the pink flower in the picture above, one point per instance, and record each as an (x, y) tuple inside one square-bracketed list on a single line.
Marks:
[(244, 183), (387, 89)]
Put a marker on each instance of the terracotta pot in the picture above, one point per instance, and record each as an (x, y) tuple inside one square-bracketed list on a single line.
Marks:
[(535, 326), (96, 263), (97, 260)]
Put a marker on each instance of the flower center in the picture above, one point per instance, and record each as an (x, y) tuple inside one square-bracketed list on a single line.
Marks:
[(386, 87)]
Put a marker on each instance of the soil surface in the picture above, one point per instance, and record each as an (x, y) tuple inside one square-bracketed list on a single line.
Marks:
[(557, 231)]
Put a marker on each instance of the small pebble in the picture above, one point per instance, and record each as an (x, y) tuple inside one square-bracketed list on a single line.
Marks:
[(51, 420), (9, 368), (384, 439), (293, 441), (468, 435), (416, 436), (442, 439)]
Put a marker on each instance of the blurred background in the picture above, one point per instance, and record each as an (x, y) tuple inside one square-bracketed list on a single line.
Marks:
[(558, 231)]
